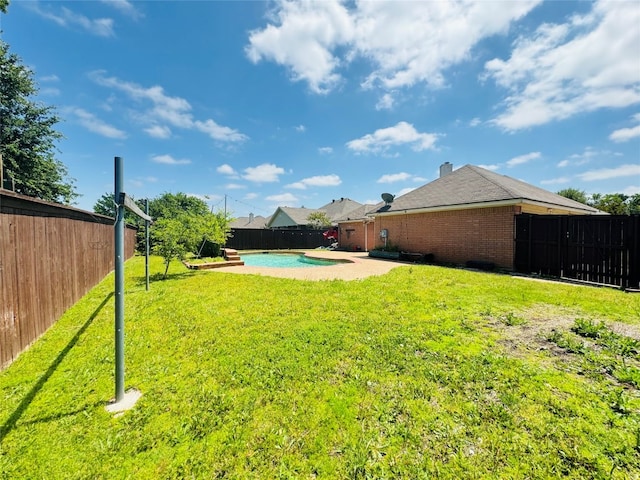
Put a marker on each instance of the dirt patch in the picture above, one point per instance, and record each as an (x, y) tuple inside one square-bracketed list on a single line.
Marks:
[(542, 320)]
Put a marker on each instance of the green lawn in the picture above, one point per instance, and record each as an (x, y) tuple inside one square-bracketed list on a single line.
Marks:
[(425, 372)]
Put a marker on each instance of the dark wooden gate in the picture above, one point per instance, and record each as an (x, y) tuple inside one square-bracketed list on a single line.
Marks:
[(601, 249)]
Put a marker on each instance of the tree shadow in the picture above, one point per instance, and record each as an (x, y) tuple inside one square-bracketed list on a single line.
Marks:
[(159, 277), (28, 398)]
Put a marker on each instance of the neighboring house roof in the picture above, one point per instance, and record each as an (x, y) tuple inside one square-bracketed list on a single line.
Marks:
[(473, 186), (339, 208), (292, 216), (359, 213), (289, 217), (257, 221)]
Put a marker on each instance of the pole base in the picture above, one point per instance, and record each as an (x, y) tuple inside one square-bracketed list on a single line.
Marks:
[(127, 403)]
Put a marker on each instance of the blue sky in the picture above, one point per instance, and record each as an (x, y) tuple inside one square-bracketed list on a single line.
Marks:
[(298, 103)]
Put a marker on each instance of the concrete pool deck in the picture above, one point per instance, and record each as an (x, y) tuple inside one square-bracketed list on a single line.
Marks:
[(358, 265)]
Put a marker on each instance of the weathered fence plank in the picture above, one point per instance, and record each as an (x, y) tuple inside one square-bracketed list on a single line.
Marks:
[(50, 256)]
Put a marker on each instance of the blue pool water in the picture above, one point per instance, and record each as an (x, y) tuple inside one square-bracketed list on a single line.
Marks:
[(283, 260)]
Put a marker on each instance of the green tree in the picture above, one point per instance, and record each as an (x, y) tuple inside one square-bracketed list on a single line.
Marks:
[(172, 204), (613, 203), (106, 205), (176, 236), (3, 5), (27, 134), (634, 204), (318, 220), (574, 194)]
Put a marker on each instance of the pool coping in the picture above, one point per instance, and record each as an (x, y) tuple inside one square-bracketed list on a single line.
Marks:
[(353, 266)]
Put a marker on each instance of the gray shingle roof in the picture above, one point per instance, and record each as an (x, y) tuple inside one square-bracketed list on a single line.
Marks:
[(359, 213), (339, 208), (475, 185), (258, 221), (299, 216)]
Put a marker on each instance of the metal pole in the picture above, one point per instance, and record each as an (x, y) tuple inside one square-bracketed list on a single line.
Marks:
[(119, 281), (146, 240)]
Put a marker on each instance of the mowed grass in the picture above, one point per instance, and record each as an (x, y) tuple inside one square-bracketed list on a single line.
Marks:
[(425, 372)]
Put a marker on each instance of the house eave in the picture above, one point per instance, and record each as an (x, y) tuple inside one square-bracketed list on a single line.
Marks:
[(496, 203)]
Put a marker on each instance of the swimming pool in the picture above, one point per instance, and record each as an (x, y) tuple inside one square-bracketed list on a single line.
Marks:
[(284, 260)]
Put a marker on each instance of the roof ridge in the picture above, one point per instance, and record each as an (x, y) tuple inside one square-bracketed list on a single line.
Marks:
[(482, 172)]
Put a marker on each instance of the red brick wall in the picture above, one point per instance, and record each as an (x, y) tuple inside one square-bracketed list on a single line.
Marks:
[(484, 234), (352, 236)]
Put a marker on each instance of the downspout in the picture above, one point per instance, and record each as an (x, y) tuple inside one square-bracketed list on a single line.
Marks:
[(366, 227)]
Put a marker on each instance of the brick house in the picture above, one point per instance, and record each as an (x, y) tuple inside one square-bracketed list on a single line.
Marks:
[(465, 215)]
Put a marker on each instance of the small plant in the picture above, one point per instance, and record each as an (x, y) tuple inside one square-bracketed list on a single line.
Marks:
[(389, 247), (589, 329), (568, 342), (618, 401), (511, 319)]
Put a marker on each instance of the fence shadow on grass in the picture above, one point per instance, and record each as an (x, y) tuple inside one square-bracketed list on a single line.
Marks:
[(28, 398)]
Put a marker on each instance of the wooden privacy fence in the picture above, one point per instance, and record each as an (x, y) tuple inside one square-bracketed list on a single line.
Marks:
[(601, 249), (50, 256), (267, 239)]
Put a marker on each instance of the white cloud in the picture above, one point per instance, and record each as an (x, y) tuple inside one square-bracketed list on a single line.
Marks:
[(219, 132), (50, 91), (206, 197), (385, 102), (578, 159), (94, 124), (404, 191), (125, 7), (493, 167), (394, 177), (404, 43), (586, 64), (226, 169), (475, 122), (556, 181), (64, 17), (631, 190), (523, 159), (303, 40), (325, 150), (169, 160), (50, 78), (265, 173), (175, 111), (607, 173), (300, 128), (401, 134), (158, 131), (626, 134), (317, 181), (283, 198), (234, 186), (251, 196)]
